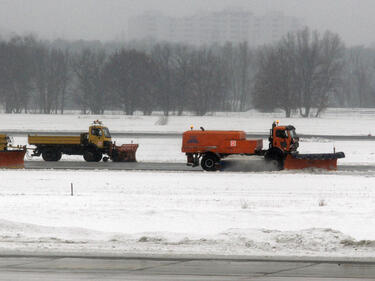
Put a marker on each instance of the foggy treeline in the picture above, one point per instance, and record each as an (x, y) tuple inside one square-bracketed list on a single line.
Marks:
[(303, 73)]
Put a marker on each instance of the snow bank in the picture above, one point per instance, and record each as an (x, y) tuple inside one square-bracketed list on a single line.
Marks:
[(20, 237), (332, 122), (279, 213)]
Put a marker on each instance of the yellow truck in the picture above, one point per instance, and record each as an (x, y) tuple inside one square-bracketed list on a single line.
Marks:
[(92, 145)]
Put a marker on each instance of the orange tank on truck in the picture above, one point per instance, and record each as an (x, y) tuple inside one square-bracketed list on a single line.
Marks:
[(92, 145), (220, 142), (210, 147)]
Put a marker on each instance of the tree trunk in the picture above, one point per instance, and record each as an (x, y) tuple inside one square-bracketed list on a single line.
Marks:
[(306, 113), (287, 112)]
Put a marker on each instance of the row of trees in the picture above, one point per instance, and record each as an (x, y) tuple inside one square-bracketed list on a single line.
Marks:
[(32, 74), (301, 72), (304, 72), (36, 77)]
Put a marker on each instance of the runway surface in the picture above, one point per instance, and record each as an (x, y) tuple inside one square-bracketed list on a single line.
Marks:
[(161, 269), (257, 165)]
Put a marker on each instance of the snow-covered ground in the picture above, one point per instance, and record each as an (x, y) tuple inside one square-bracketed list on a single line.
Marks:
[(279, 213), (265, 213), (332, 122)]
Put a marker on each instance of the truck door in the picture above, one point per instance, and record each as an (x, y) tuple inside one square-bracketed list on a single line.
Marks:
[(96, 136), (281, 139)]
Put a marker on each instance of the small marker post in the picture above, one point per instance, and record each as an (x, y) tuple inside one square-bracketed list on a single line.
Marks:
[(71, 189)]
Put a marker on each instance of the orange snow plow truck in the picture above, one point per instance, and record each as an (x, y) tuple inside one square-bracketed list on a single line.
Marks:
[(209, 147)]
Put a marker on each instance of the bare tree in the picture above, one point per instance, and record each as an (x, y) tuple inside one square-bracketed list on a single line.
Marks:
[(130, 77), (163, 57), (240, 66), (16, 72), (148, 92), (319, 67), (246, 75), (51, 78), (302, 71), (359, 86), (182, 77), (64, 77), (329, 77), (307, 55), (209, 82), (275, 81), (88, 68)]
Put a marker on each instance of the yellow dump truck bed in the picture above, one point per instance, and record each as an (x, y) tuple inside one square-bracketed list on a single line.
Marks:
[(54, 140)]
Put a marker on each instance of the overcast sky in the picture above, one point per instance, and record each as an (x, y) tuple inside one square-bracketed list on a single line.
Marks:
[(354, 20)]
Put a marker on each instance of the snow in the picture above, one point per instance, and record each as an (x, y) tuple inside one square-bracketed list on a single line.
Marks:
[(278, 213), (306, 213), (332, 122)]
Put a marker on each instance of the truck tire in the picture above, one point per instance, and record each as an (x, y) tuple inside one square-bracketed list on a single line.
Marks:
[(49, 155), (98, 156), (275, 157), (88, 156), (58, 155), (209, 162)]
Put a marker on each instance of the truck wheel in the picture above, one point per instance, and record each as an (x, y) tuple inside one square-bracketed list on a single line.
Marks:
[(88, 156), (97, 156), (275, 164), (48, 155), (57, 156), (209, 162), (276, 158)]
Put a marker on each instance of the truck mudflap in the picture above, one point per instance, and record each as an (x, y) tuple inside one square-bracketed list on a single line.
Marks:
[(326, 161), (124, 153)]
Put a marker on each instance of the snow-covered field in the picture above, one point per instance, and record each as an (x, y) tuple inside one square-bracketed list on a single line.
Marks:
[(278, 213), (265, 213), (332, 122)]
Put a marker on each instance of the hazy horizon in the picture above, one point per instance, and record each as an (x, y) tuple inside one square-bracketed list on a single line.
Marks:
[(107, 20)]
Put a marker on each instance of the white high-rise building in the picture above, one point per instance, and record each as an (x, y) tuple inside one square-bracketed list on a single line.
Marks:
[(232, 25)]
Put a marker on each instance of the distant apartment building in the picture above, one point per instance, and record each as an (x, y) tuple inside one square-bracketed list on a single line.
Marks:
[(232, 25)]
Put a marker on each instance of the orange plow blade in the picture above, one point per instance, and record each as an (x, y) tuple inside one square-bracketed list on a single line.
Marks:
[(125, 153), (326, 161), (12, 158)]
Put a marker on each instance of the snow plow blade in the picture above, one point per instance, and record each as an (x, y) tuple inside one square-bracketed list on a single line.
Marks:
[(124, 153), (326, 161), (12, 158)]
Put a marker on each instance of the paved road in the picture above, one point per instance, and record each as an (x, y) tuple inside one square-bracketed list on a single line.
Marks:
[(254, 165), (178, 135), (143, 268), (82, 165)]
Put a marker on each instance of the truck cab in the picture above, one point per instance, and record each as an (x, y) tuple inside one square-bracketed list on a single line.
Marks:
[(284, 138), (99, 135)]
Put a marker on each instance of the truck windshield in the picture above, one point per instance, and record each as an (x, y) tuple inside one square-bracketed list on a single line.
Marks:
[(106, 132), (293, 134)]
